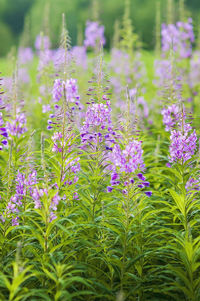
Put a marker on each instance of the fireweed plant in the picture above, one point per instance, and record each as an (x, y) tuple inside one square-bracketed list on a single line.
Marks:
[(99, 167)]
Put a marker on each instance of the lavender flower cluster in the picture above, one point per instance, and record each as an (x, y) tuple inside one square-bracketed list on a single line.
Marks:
[(97, 127), (178, 37), (94, 34), (125, 165)]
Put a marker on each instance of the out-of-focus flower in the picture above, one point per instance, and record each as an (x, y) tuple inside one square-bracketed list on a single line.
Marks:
[(194, 73), (69, 87), (42, 42), (120, 62), (25, 55), (171, 115), (17, 127), (178, 37), (23, 76), (80, 56), (94, 34), (193, 184), (46, 108), (57, 91)]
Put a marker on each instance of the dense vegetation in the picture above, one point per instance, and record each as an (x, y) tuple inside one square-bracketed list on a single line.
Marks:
[(99, 167)]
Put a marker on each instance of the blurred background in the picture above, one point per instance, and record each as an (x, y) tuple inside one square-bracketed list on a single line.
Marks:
[(45, 15)]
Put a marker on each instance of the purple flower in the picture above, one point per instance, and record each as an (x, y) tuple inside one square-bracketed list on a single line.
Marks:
[(23, 75), (75, 196), (1, 119), (68, 90), (60, 58), (178, 37), (129, 159), (94, 34), (46, 108), (4, 142), (42, 42), (36, 197), (97, 123), (71, 165), (141, 177), (61, 142), (128, 69), (25, 55), (45, 57), (80, 56), (109, 189), (38, 194), (146, 184), (165, 75), (52, 216), (71, 90), (17, 127), (120, 62), (76, 178), (54, 202), (125, 162), (192, 184), (3, 133), (114, 176), (57, 90), (194, 72), (98, 115), (183, 145), (148, 193), (23, 188), (170, 116), (15, 221)]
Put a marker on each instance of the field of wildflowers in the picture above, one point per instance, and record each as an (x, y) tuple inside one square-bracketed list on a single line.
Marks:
[(99, 168)]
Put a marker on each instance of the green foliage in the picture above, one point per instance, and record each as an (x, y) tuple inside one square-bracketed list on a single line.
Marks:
[(7, 38)]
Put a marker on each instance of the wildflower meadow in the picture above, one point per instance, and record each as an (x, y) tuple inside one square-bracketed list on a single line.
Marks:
[(100, 165)]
